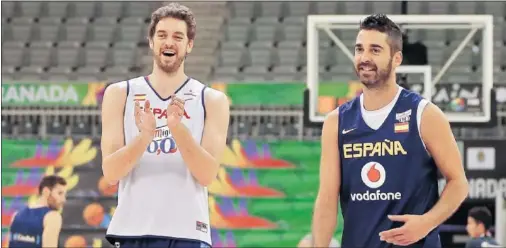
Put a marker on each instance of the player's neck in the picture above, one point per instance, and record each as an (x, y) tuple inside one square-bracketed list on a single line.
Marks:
[(165, 84), (41, 202), (375, 99)]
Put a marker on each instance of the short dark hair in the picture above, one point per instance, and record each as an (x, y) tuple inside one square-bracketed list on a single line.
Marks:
[(381, 23), (481, 215), (50, 182), (177, 11)]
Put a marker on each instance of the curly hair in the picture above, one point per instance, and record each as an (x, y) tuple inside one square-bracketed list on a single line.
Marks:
[(381, 23), (177, 11)]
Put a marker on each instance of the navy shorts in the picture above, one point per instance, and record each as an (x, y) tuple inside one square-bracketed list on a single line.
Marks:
[(159, 243)]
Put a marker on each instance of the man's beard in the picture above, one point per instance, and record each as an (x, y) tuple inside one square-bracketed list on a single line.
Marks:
[(52, 204), (380, 78), (171, 67)]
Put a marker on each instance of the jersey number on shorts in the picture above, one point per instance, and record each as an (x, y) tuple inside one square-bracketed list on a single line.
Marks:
[(165, 145)]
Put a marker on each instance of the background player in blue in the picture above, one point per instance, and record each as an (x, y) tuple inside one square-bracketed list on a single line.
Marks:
[(380, 156), (39, 225), (479, 221)]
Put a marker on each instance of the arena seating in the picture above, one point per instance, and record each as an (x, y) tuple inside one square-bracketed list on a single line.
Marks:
[(62, 41), (244, 42), (261, 41), (266, 41)]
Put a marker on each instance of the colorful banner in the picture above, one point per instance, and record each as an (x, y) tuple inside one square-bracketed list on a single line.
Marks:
[(254, 183), (240, 94), (279, 94), (272, 155), (450, 97), (259, 238), (263, 196), (83, 238), (26, 162), (455, 97), (52, 94)]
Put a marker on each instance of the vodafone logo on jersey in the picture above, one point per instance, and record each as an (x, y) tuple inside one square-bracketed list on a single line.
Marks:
[(373, 175)]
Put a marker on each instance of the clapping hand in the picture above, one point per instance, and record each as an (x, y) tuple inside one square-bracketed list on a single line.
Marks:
[(175, 112), (145, 119)]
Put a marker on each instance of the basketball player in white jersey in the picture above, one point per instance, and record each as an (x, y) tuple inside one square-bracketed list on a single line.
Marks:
[(162, 136)]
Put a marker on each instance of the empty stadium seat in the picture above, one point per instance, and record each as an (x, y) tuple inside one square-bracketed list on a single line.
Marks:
[(55, 125), (30, 9), (28, 126), (111, 9), (232, 45), (267, 21), (57, 9), (300, 8), (75, 32), (388, 7), (139, 9), (353, 8), (129, 33), (232, 58), (290, 57), (244, 9), (326, 8), (7, 126), (81, 125), (40, 57), (268, 128), (134, 20), (123, 56), (238, 33), (84, 9), (273, 9), (267, 33), (295, 21), (8, 9), (100, 32), (67, 57), (12, 57), (21, 32), (294, 33), (244, 127)]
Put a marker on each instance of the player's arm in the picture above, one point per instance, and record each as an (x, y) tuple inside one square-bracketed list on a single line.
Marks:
[(118, 159), (325, 209), (203, 160), (52, 228), (438, 137)]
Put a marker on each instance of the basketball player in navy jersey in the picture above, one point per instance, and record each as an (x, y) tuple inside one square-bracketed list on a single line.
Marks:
[(39, 225), (380, 155), (162, 137)]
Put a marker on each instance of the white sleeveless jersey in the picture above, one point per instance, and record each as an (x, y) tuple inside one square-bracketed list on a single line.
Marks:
[(160, 197)]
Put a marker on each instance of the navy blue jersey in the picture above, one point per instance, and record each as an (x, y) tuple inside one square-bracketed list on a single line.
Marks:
[(482, 242), (384, 172), (27, 228)]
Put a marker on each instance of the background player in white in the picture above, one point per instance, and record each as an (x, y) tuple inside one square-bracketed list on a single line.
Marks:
[(200, 141)]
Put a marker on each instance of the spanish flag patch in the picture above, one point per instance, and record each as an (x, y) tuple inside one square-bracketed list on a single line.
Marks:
[(139, 97), (401, 127)]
